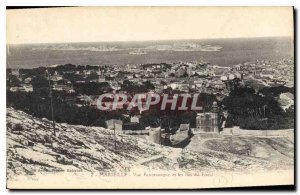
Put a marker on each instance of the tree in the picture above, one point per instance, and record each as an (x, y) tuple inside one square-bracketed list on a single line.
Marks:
[(251, 110), (40, 85), (13, 81)]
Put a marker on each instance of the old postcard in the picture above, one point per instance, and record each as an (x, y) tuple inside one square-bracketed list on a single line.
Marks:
[(150, 97)]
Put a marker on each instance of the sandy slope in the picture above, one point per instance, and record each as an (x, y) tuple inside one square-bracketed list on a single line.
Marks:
[(31, 148), (278, 151)]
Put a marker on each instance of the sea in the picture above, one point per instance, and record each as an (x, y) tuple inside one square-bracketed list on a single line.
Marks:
[(232, 52)]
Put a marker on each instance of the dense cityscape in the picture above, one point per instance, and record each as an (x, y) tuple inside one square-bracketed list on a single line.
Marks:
[(77, 87)]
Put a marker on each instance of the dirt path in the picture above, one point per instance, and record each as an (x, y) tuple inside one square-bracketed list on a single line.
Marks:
[(199, 143), (150, 159), (174, 155)]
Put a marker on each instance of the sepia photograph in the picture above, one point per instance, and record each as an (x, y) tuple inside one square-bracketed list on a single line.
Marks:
[(150, 97)]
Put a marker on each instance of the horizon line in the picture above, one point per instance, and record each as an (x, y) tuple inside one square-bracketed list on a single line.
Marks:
[(149, 40)]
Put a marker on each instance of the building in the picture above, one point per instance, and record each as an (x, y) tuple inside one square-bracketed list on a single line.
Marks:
[(15, 72), (155, 135), (22, 88), (184, 127), (65, 88), (101, 79), (135, 119), (208, 122), (27, 80), (56, 78), (181, 136), (134, 129), (114, 124), (237, 67), (183, 131)]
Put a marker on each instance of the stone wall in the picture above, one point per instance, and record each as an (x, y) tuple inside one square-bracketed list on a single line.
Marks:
[(238, 131)]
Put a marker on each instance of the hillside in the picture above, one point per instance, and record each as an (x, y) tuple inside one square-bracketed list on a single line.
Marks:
[(31, 148), (278, 150)]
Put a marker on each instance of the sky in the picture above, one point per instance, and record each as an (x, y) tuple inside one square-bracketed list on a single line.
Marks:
[(97, 24)]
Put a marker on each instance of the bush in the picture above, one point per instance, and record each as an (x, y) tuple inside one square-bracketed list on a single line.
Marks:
[(253, 123), (17, 127), (274, 123)]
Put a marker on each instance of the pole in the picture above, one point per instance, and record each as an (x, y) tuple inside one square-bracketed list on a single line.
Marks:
[(160, 131), (115, 135), (51, 103)]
